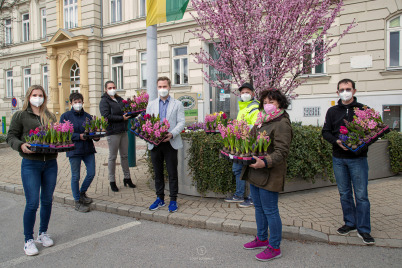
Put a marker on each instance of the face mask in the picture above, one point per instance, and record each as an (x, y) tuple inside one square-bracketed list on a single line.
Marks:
[(77, 106), (245, 97), (269, 108), (346, 96), (111, 92), (163, 92), (36, 101)]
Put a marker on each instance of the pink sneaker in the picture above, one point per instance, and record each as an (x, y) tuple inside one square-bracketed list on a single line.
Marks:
[(269, 254), (256, 243)]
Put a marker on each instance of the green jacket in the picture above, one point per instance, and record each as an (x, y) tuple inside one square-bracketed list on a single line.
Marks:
[(248, 110), (21, 123), (272, 178)]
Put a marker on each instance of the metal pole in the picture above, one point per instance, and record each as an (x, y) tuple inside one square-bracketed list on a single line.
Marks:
[(152, 62), (131, 146)]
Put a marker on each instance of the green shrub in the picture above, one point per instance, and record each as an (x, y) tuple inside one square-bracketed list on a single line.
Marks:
[(395, 150), (2, 138)]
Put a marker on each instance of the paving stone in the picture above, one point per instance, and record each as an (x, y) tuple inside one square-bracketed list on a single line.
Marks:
[(123, 210), (101, 206), (214, 223), (59, 197), (290, 232), (248, 228), (338, 239), (179, 218), (9, 188), (354, 240), (161, 216), (198, 221), (231, 226), (394, 243), (112, 208), (312, 235), (146, 214), (69, 200)]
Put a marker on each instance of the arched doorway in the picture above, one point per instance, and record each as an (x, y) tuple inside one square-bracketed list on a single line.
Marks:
[(75, 78)]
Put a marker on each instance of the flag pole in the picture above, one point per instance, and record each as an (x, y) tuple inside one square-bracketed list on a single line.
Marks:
[(152, 62)]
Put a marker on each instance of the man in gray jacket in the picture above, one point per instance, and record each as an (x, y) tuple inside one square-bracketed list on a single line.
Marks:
[(173, 110)]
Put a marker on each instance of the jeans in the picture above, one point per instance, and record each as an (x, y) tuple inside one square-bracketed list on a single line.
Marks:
[(354, 172), (240, 184), (159, 154), (118, 142), (267, 215), (39, 180), (75, 163)]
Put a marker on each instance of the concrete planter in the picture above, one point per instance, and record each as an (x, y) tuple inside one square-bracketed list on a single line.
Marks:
[(378, 159)]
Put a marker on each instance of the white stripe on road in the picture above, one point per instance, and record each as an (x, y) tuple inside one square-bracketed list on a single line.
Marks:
[(70, 244)]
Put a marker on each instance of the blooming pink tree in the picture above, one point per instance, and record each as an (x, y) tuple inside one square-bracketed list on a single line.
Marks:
[(264, 41)]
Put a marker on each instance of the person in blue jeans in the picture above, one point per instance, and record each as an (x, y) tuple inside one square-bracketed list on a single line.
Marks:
[(84, 151), (351, 171), (248, 111), (38, 171)]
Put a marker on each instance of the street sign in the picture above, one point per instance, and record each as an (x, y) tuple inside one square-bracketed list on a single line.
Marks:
[(14, 102)]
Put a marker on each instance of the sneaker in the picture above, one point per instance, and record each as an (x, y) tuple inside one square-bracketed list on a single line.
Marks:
[(30, 248), (344, 230), (256, 243), (45, 239), (84, 199), (172, 206), (234, 199), (247, 203), (157, 204), (80, 207), (268, 254), (367, 238)]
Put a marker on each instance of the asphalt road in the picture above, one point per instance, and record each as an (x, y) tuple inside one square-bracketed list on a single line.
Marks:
[(98, 239)]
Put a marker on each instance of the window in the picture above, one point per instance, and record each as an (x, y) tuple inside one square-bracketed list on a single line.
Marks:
[(75, 78), (309, 55), (392, 116), (115, 10), (143, 8), (180, 65), (9, 84), (70, 13), (27, 79), (43, 22), (25, 27), (394, 42), (143, 69), (8, 34), (117, 71), (45, 79)]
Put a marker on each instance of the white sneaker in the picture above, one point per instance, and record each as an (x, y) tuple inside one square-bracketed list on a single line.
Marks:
[(30, 248), (45, 239)]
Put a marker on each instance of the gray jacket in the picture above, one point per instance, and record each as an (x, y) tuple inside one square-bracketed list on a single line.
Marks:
[(175, 116)]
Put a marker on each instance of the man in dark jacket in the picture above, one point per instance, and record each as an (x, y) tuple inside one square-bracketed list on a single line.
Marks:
[(349, 169), (84, 151)]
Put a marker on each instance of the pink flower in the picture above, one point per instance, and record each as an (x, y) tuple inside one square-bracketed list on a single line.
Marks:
[(343, 130)]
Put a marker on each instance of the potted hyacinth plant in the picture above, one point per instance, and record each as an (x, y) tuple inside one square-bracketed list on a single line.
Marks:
[(103, 124)]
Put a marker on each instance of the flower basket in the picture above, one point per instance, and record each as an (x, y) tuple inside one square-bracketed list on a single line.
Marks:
[(94, 135)]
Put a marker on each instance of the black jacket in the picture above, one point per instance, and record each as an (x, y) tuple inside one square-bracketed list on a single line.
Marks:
[(334, 121), (113, 111), (82, 148)]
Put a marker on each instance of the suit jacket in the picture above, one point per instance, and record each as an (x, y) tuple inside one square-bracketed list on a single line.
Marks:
[(175, 116)]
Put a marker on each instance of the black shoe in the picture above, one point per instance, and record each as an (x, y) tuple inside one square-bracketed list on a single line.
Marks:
[(84, 199), (129, 183), (113, 186), (344, 230), (81, 207), (367, 238)]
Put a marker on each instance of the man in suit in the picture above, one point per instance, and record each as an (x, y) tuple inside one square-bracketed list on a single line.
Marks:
[(173, 110)]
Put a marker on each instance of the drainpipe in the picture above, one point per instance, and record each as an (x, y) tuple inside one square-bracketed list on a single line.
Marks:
[(101, 45)]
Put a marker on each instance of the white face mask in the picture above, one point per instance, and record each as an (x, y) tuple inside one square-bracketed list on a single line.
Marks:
[(77, 106), (111, 92), (163, 92), (245, 97), (36, 101), (346, 96)]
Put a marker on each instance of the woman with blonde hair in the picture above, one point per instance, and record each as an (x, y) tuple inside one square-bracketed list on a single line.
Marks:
[(38, 171)]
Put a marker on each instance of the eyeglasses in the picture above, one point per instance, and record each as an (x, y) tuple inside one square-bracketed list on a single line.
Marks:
[(346, 89), (111, 88)]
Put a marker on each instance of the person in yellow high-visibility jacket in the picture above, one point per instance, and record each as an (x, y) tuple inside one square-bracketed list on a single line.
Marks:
[(248, 111)]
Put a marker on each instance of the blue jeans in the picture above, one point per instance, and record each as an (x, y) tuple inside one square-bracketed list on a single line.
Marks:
[(354, 172), (267, 215), (240, 184), (75, 163), (39, 180)]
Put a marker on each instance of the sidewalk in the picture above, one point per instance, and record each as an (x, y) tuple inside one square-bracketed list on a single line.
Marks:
[(308, 215)]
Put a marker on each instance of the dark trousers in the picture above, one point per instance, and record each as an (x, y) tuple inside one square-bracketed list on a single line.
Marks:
[(160, 153)]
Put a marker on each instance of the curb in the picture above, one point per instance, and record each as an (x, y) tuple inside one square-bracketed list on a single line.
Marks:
[(209, 223)]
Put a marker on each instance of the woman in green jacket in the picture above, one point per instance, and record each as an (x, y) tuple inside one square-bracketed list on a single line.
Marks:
[(267, 176), (38, 171)]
